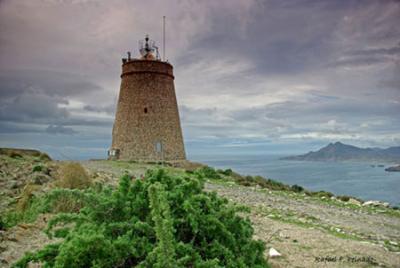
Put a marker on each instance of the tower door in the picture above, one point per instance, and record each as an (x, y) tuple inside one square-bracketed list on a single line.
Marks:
[(159, 150)]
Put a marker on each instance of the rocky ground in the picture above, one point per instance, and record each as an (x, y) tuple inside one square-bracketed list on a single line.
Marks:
[(307, 231), (310, 232)]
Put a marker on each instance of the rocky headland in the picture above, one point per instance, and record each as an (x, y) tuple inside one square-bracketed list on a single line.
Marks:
[(393, 169), (343, 152)]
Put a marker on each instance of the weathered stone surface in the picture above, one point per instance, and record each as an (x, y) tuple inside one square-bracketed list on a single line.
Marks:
[(376, 203), (147, 113), (354, 202)]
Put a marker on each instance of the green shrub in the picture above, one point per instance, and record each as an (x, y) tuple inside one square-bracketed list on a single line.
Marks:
[(30, 206), (276, 185), (62, 200), (14, 154), (269, 183), (37, 168), (296, 188), (249, 179), (226, 172), (343, 198), (161, 221), (261, 181), (44, 157), (208, 173), (245, 181), (322, 194), (2, 223), (73, 176), (160, 212)]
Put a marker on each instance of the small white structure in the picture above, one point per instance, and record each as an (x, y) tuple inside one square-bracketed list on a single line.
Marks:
[(273, 253)]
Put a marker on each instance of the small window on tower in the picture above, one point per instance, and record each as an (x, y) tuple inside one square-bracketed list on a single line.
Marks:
[(145, 110)]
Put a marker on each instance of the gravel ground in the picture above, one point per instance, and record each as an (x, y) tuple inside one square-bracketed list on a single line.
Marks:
[(315, 233)]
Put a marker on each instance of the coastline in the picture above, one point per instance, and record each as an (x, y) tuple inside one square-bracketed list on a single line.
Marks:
[(351, 178)]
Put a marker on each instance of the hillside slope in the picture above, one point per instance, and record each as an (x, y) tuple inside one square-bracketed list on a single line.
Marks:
[(308, 230)]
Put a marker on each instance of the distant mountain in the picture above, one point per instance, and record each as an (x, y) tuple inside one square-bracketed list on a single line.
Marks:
[(343, 152)]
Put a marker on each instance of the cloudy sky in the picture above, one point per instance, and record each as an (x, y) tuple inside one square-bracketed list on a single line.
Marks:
[(251, 76)]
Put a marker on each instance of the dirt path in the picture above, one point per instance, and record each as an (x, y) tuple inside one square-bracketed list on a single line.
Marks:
[(22, 238)]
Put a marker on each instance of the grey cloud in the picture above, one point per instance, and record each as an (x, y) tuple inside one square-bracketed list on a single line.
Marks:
[(30, 107), (40, 96), (278, 37), (357, 62), (368, 57), (99, 109), (390, 51), (52, 83), (14, 128), (58, 129), (326, 117), (393, 80)]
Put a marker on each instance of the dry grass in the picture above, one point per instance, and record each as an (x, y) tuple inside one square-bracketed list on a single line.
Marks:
[(67, 204), (20, 153), (26, 196), (73, 176)]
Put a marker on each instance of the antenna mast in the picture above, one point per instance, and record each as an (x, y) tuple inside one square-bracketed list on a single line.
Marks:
[(163, 38)]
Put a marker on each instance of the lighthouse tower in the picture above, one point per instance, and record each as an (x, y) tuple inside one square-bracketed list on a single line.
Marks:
[(147, 125)]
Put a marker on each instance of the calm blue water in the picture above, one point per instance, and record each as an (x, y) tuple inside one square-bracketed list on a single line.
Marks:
[(341, 178)]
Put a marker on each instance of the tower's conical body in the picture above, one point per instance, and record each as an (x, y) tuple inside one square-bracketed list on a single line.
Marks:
[(147, 125)]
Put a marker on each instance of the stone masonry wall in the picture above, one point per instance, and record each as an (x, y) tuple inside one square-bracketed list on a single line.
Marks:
[(147, 113)]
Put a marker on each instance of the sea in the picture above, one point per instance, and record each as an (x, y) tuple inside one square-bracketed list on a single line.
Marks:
[(368, 181)]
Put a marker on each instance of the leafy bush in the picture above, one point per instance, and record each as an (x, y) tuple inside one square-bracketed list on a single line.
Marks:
[(14, 154), (276, 185), (73, 176), (55, 201), (2, 223), (343, 198), (226, 172), (296, 188), (245, 181), (262, 182), (37, 168), (44, 157), (160, 221), (208, 173), (322, 194), (62, 200)]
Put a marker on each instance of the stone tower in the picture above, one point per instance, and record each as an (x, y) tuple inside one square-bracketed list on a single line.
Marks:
[(147, 125)]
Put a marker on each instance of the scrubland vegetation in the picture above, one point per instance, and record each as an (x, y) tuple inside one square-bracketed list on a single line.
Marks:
[(128, 214), (157, 221)]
